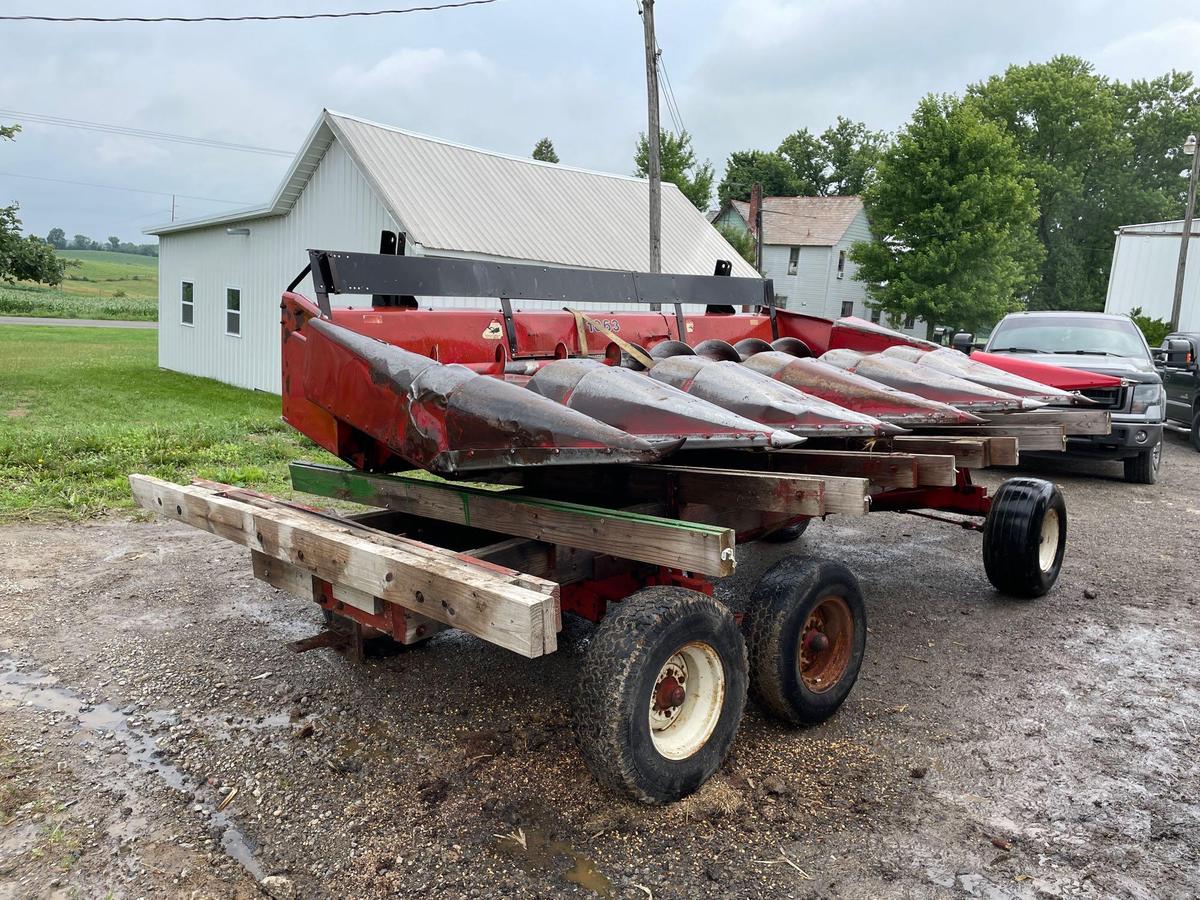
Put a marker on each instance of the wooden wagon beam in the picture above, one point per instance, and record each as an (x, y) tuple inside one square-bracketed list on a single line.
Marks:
[(479, 598), (690, 546)]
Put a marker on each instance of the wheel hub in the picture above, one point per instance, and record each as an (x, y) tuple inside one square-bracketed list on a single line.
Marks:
[(686, 700), (825, 644)]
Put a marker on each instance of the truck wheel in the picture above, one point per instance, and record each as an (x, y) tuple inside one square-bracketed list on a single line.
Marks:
[(806, 631), (1025, 537), (661, 694), (1143, 468), (788, 533), (1196, 431)]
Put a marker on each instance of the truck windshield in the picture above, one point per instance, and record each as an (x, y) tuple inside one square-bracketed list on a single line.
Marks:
[(1068, 334)]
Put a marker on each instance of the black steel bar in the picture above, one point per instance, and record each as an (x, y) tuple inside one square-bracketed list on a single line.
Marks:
[(336, 272)]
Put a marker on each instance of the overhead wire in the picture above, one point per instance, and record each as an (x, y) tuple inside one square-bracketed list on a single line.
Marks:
[(113, 187), (291, 17)]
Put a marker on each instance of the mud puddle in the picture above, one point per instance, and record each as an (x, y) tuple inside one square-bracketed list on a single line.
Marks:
[(40, 690), (533, 849)]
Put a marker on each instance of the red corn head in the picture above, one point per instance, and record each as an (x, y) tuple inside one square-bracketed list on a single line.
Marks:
[(927, 382), (837, 385), (448, 419), (643, 406), (744, 391), (955, 362)]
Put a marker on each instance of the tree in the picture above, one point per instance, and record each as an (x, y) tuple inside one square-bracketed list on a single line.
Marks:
[(82, 242), (740, 240), (677, 162), (57, 239), (24, 258), (953, 215), (745, 167), (114, 242), (838, 163), (544, 151)]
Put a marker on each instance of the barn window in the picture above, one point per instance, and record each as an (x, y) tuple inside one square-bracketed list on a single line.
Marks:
[(793, 260), (876, 315), (781, 301), (842, 264), (910, 320), (233, 311), (847, 308), (186, 306)]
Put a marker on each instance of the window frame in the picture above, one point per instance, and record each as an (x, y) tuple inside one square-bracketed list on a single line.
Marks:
[(849, 303), (238, 311), (192, 303), (793, 265), (877, 316), (841, 268)]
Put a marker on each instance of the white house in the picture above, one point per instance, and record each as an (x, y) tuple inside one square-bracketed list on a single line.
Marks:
[(1145, 260), (220, 277), (806, 244)]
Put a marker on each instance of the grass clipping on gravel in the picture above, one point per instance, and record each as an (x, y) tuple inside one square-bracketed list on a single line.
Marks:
[(81, 408)]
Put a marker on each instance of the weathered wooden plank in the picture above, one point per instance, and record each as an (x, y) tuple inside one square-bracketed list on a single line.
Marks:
[(1003, 451), (968, 453), (690, 546), (934, 470), (838, 494), (1073, 421), (1029, 437), (888, 470), (283, 575), (473, 597)]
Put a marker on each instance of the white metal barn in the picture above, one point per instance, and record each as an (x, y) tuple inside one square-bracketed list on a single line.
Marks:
[(1143, 273), (220, 278)]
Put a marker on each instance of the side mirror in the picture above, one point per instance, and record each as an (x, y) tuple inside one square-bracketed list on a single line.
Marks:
[(962, 342), (1178, 353)]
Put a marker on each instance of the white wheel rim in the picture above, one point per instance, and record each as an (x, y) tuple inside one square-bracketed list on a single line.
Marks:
[(1048, 545), (686, 701)]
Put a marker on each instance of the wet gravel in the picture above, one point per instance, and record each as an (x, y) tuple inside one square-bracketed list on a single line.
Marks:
[(158, 739)]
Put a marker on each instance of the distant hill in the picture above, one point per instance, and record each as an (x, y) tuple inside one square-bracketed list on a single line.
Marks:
[(105, 273)]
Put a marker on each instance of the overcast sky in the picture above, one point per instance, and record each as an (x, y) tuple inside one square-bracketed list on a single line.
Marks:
[(745, 73)]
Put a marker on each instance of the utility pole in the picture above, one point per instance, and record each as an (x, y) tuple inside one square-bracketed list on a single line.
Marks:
[(652, 138), (1186, 236)]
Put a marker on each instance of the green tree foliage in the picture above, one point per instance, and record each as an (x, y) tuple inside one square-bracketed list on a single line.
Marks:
[(57, 239), (678, 162), (953, 218), (1101, 153), (745, 167), (740, 239), (544, 151), (24, 258), (839, 162), (1155, 330)]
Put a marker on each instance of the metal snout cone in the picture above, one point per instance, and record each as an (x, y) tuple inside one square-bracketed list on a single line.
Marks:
[(742, 390), (955, 362), (448, 419), (855, 392), (926, 382), (648, 408)]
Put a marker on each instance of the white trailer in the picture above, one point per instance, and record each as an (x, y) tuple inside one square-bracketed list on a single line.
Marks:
[(1143, 272)]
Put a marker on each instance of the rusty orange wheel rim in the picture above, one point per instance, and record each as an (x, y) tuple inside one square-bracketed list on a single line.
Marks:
[(826, 643)]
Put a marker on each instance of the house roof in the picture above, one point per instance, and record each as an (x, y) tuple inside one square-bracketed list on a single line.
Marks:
[(454, 198), (804, 221)]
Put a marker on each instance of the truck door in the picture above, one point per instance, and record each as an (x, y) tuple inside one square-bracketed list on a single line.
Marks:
[(1180, 383)]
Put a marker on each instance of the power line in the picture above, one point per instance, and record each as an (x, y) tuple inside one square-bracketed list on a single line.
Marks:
[(105, 128), (294, 17), (113, 187), (672, 103)]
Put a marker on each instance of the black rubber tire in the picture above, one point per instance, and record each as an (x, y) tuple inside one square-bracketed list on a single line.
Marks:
[(774, 622), (1143, 468), (788, 533), (617, 678), (1012, 535), (1196, 430)]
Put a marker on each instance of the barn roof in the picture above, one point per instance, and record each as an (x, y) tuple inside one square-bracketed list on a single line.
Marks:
[(453, 198), (804, 221)]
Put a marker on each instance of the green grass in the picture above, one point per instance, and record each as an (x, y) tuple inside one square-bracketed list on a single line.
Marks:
[(99, 285), (81, 408)]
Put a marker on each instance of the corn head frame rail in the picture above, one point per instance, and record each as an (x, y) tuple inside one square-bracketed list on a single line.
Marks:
[(629, 527)]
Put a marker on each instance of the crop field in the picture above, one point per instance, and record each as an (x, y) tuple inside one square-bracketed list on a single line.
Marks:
[(98, 285)]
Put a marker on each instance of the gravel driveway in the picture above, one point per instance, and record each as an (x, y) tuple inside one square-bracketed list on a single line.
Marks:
[(158, 739)]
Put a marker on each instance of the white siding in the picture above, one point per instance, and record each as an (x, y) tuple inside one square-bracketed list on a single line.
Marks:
[(1143, 274), (338, 210)]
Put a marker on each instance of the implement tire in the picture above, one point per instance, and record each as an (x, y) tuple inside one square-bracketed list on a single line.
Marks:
[(806, 632), (660, 694), (788, 533), (1025, 537)]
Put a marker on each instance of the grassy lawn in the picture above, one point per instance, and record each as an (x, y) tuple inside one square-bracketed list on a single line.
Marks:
[(81, 408), (100, 285)]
